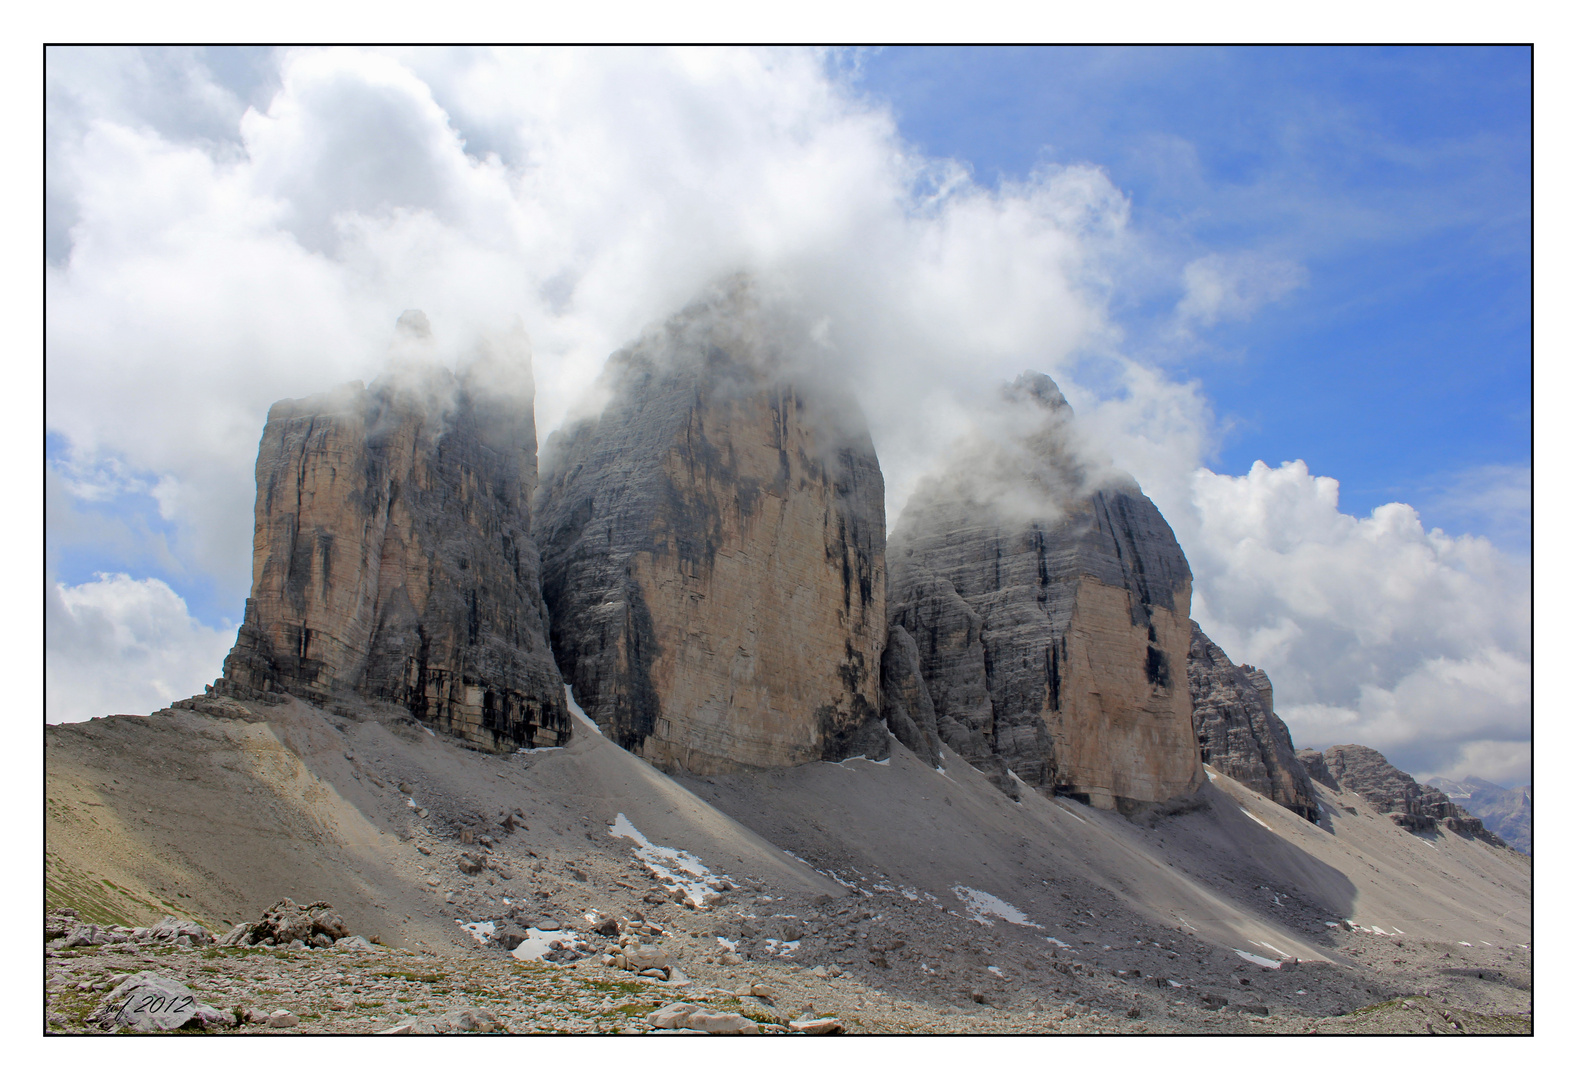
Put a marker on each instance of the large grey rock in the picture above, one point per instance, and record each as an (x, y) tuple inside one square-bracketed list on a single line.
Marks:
[(1047, 600), (170, 930), (150, 1002), (1414, 806), (393, 559), (1238, 732), (712, 549)]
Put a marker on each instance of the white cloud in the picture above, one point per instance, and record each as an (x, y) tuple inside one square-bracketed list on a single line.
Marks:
[(222, 257), (1373, 630), (1230, 288), (120, 645)]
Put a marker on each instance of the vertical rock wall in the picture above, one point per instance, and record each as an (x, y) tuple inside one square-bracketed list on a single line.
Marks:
[(712, 551), (1050, 617), (1239, 733), (392, 558)]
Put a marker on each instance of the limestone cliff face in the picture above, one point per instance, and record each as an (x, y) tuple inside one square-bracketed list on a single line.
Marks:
[(392, 558), (1049, 612), (1239, 733), (1414, 806), (712, 551)]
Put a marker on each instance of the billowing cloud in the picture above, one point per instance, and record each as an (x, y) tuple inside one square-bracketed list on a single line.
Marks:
[(120, 645), (1373, 630), (215, 250)]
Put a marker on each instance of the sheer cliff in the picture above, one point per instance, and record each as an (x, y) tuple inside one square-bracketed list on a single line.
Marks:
[(1048, 606), (392, 556), (712, 549)]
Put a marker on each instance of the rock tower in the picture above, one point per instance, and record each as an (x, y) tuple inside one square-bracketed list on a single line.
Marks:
[(712, 549), (392, 556), (1048, 606)]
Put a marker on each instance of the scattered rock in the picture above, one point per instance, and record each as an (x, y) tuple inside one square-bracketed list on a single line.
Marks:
[(821, 1025), (282, 1018)]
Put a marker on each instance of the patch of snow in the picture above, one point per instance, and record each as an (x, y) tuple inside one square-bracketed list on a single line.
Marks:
[(731, 946), (479, 930), (1469, 944), (429, 730), (1059, 944), (981, 904), (908, 893), (1303, 991), (1175, 983), (1256, 959), (995, 971), (577, 711), (540, 942), (1254, 819), (679, 868), (411, 803), (1272, 948), (1070, 813), (781, 948), (537, 749)]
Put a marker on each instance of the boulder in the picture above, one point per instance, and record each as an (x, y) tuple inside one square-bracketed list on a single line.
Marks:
[(712, 548), (170, 930), (690, 1016), (821, 1025), (150, 1002), (91, 934), (316, 925), (643, 957), (508, 936), (1239, 733), (458, 1022), (392, 554), (1047, 600)]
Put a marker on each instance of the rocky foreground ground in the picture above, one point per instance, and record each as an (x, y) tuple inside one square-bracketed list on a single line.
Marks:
[(699, 982), (887, 896)]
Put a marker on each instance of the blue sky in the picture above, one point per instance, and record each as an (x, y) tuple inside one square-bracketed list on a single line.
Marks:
[(1401, 179), (1225, 256)]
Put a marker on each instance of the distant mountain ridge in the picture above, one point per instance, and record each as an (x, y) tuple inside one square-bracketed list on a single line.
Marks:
[(1508, 812)]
